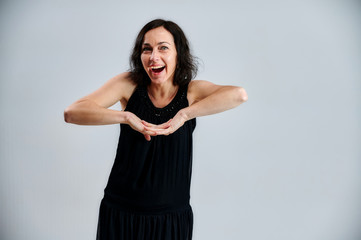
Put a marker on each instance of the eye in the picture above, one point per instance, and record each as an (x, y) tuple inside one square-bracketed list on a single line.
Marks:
[(146, 49), (163, 48)]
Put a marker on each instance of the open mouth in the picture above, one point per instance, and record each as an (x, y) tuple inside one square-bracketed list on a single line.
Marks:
[(157, 69)]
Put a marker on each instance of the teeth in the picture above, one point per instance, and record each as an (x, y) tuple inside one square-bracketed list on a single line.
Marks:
[(156, 67)]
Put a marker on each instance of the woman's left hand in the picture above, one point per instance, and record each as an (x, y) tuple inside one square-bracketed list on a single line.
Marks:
[(169, 127)]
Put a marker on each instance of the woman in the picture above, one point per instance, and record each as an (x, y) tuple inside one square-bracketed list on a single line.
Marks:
[(147, 194)]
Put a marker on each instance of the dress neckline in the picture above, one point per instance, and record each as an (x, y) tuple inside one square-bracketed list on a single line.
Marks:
[(171, 104)]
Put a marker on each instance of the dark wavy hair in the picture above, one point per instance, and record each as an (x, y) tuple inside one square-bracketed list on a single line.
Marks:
[(186, 68)]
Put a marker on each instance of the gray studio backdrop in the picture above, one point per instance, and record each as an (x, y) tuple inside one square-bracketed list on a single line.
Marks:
[(283, 166)]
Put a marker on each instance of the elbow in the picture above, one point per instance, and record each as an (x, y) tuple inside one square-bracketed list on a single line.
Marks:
[(68, 115), (241, 95), (71, 113)]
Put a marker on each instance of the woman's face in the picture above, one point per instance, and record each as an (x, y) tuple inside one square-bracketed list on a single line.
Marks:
[(159, 55)]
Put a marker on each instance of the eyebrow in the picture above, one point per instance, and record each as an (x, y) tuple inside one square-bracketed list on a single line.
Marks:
[(160, 43)]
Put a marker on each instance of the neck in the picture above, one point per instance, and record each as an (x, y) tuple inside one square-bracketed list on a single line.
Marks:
[(162, 91)]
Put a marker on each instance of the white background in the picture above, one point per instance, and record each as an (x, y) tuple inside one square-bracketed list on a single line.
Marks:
[(283, 166)]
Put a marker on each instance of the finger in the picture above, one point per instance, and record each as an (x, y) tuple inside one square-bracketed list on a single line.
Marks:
[(147, 137), (154, 126), (152, 129), (150, 132), (166, 124), (137, 125), (146, 123), (166, 131), (158, 130)]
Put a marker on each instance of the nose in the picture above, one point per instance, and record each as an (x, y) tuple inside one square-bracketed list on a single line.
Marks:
[(154, 56)]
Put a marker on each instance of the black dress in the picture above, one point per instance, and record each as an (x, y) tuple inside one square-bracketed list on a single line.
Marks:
[(148, 191)]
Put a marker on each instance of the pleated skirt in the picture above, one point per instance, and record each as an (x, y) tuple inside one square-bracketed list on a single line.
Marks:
[(118, 223)]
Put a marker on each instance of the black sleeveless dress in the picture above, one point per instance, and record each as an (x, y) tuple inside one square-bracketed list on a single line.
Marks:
[(148, 191)]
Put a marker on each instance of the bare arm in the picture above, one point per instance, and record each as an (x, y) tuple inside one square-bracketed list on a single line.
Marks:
[(207, 98), (88, 112), (93, 108), (204, 98)]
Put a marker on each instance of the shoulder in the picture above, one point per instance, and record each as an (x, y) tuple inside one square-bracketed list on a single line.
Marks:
[(120, 83), (124, 80), (117, 88), (125, 83), (200, 89)]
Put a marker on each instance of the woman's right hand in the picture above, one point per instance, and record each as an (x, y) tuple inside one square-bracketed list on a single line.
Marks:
[(136, 123)]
